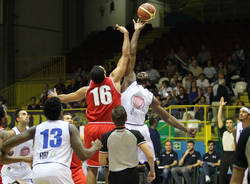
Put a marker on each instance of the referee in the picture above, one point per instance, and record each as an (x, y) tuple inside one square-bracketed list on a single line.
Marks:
[(119, 151), (227, 143)]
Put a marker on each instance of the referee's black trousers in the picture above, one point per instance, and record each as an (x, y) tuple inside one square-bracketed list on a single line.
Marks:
[(226, 162), (127, 176)]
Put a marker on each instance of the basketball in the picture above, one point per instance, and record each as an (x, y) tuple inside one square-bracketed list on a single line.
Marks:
[(146, 12)]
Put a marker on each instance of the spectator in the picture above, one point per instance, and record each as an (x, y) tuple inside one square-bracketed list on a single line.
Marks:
[(44, 95), (168, 160), (165, 89), (182, 97), (210, 161), (182, 53), (194, 93), (238, 55), (178, 86), (222, 91), (33, 105), (190, 160), (171, 55), (209, 95), (204, 55), (231, 65), (226, 133), (220, 67), (155, 136), (186, 82), (171, 68), (45, 91), (195, 68), (199, 111), (173, 81), (210, 71), (202, 82), (60, 86), (153, 74)]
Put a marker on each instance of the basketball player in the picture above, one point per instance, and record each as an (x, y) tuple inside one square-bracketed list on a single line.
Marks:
[(53, 143), (244, 117), (102, 95), (4, 135), (136, 100), (78, 175), (242, 157), (19, 171)]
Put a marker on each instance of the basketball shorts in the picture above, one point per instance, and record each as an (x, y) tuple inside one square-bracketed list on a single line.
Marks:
[(10, 174), (78, 176), (93, 131), (143, 129), (52, 173)]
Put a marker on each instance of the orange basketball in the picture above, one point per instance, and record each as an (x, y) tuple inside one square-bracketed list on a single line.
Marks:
[(146, 12)]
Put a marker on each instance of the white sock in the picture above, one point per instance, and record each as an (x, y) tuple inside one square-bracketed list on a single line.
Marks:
[(207, 178)]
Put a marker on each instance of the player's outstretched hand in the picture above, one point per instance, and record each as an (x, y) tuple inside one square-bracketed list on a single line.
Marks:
[(222, 102), (151, 176), (53, 94), (139, 25), (97, 144), (192, 132), (122, 29)]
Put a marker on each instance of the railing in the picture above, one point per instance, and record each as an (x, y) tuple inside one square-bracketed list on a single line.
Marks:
[(20, 93), (207, 128)]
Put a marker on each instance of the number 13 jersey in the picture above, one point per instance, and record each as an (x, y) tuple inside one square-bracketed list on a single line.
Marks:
[(52, 143), (101, 99)]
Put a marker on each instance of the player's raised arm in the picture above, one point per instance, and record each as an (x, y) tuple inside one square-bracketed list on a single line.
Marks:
[(77, 145), (138, 26), (72, 97), (18, 139), (121, 67), (219, 116), (156, 107)]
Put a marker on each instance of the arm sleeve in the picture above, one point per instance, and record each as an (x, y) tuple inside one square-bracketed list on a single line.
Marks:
[(139, 137), (104, 141), (240, 159)]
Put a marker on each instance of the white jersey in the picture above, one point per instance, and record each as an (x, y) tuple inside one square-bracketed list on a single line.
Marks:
[(19, 170), (136, 101), (52, 144)]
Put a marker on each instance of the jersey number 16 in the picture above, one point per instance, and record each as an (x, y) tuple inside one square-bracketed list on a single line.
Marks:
[(102, 94)]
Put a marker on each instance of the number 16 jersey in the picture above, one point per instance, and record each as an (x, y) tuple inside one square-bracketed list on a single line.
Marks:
[(101, 99), (52, 143)]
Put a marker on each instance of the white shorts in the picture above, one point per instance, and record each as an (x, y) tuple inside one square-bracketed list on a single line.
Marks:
[(143, 129), (10, 174), (52, 173)]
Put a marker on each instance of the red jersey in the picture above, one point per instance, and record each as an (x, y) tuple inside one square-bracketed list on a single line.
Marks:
[(101, 99), (78, 175)]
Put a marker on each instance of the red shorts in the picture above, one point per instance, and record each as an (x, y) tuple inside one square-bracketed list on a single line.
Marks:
[(93, 131), (78, 176)]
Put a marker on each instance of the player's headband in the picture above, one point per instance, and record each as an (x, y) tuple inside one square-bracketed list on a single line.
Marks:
[(141, 77), (245, 109)]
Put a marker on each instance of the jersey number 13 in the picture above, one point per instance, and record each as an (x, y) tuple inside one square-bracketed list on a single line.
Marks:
[(102, 95)]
